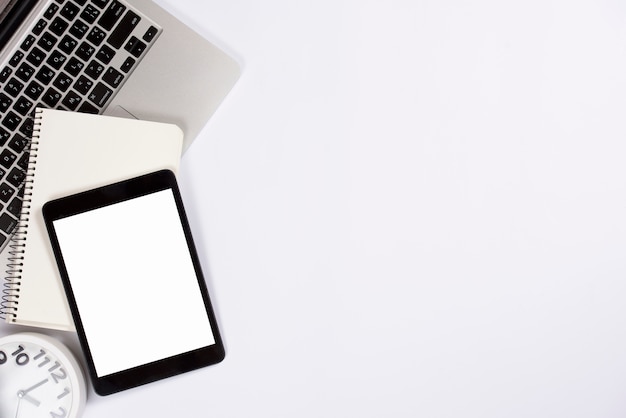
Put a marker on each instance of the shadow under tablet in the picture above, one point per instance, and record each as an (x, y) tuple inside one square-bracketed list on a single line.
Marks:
[(124, 253)]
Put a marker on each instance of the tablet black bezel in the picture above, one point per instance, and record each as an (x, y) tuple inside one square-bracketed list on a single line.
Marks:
[(105, 196)]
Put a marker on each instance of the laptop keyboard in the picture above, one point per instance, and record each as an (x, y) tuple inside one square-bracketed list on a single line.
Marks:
[(76, 56)]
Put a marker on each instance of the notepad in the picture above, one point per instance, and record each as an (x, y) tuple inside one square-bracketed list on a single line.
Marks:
[(70, 153)]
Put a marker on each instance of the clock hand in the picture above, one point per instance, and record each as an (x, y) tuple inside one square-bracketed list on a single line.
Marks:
[(17, 410), (33, 387), (23, 394), (28, 398)]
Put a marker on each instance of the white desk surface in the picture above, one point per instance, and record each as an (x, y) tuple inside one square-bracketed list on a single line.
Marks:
[(409, 209)]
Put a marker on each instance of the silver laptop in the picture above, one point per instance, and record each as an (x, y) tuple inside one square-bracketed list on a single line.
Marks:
[(116, 57)]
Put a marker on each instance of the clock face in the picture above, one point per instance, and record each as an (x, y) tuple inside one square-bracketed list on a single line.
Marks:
[(39, 378)]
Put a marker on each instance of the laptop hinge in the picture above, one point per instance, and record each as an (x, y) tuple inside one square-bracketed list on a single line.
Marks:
[(12, 17)]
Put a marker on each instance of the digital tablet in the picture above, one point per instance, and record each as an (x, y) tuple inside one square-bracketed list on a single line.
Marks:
[(133, 282)]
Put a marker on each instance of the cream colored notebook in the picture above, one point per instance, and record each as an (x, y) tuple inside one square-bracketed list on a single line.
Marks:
[(73, 152)]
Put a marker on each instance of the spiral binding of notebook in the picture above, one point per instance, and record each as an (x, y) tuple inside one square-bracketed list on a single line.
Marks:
[(9, 302)]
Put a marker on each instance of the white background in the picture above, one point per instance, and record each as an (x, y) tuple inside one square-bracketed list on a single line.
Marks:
[(409, 208)]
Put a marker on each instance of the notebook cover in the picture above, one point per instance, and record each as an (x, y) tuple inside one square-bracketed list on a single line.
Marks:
[(73, 152)]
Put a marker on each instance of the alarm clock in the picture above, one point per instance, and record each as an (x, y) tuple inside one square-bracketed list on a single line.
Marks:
[(39, 377)]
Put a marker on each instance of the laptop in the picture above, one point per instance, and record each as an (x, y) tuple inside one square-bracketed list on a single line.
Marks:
[(117, 57)]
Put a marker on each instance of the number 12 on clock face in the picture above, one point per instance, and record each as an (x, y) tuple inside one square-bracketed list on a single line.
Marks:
[(39, 377)]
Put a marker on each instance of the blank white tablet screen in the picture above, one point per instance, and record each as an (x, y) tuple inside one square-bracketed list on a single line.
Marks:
[(134, 282)]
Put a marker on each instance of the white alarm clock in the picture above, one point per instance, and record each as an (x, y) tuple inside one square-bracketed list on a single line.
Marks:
[(39, 377)]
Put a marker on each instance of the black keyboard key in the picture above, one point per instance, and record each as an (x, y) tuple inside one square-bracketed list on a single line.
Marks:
[(36, 57), (16, 58), (49, 14), (112, 15), (5, 74), (83, 84), (16, 176), (45, 74), (150, 34), (112, 77), (100, 3), (135, 46), (79, 29), (5, 102), (39, 27), (11, 120), (51, 97), (6, 192), (68, 44), (124, 29), (27, 128), (24, 72), (105, 54), (15, 207), (86, 107), (80, 2), (58, 26), (85, 51), (56, 60), (96, 36), (23, 106), (100, 95), (7, 223), (71, 100), (74, 66), (70, 11), (18, 143), (94, 69), (90, 14), (128, 64), (28, 42), (23, 161), (7, 158), (47, 41), (13, 87), (62, 82), (4, 136)]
